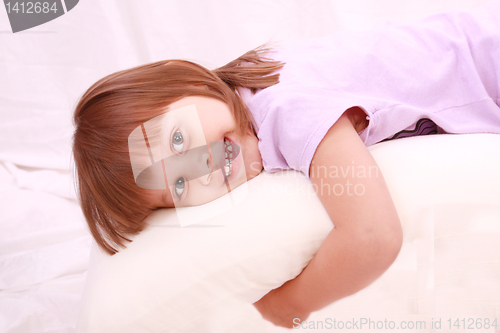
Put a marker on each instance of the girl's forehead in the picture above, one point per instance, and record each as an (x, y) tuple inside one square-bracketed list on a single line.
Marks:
[(204, 105), (201, 101)]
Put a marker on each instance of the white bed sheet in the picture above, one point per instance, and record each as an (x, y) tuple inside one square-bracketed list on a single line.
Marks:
[(44, 243)]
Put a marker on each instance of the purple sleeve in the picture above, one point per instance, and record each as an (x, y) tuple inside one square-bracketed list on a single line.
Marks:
[(294, 124)]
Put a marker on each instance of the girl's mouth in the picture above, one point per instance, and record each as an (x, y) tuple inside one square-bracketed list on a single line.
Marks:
[(229, 163), (229, 156)]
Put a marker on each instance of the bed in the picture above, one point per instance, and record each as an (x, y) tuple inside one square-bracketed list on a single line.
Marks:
[(449, 266)]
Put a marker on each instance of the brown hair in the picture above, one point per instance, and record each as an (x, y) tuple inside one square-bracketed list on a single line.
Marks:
[(113, 205)]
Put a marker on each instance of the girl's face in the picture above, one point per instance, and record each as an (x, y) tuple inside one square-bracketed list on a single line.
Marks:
[(218, 124)]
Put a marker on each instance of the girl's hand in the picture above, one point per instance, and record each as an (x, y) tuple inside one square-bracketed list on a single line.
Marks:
[(274, 308)]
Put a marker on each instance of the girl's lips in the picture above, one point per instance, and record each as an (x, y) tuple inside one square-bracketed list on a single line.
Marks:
[(235, 162)]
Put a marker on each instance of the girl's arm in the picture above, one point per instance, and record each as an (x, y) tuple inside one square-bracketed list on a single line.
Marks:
[(366, 238)]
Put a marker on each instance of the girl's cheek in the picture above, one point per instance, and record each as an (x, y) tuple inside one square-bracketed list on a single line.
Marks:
[(256, 166)]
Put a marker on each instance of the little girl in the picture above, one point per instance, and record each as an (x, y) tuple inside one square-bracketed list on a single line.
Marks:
[(309, 106)]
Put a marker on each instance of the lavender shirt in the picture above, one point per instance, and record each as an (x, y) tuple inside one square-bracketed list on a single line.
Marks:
[(441, 75)]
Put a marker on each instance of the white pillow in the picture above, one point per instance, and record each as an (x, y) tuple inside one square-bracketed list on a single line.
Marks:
[(204, 277), (175, 279)]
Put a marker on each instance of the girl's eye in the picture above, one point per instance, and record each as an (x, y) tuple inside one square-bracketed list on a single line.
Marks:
[(179, 187), (177, 141)]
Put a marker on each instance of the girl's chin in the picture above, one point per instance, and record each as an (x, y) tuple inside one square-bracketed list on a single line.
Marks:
[(254, 170)]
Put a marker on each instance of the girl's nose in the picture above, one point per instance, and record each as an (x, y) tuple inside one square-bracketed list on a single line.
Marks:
[(206, 161)]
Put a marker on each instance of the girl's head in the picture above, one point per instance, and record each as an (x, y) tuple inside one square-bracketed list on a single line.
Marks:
[(113, 204)]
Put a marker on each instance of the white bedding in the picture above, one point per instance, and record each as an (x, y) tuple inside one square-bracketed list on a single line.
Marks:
[(204, 278), (44, 243)]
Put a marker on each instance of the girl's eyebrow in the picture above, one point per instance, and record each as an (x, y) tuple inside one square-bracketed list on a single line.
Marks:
[(168, 200), (170, 137)]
